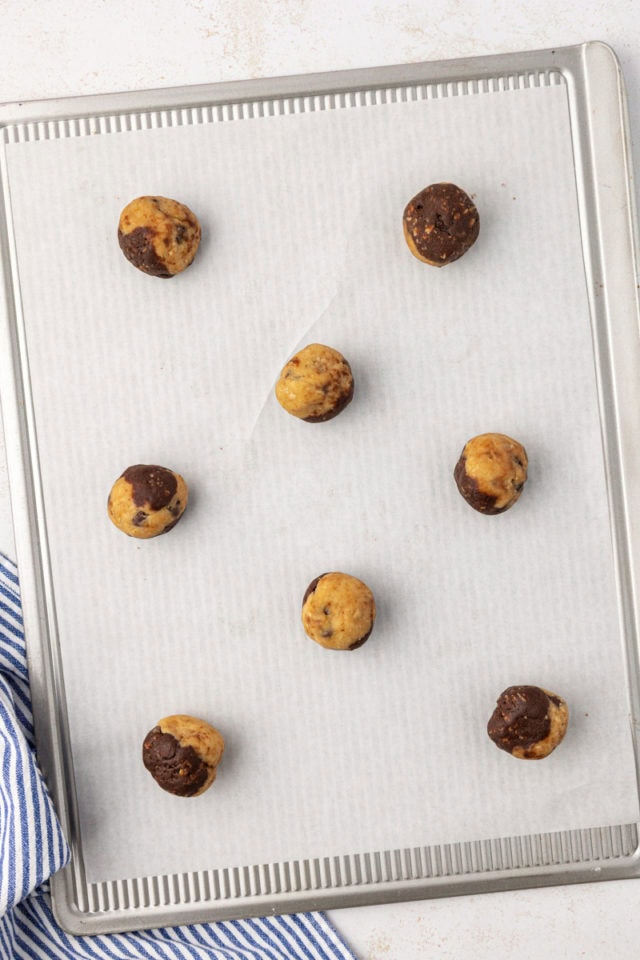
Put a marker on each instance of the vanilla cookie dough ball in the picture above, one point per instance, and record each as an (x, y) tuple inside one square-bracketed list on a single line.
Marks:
[(147, 500), (182, 754), (491, 472), (158, 236), (338, 611), (316, 384), (528, 722), (440, 224)]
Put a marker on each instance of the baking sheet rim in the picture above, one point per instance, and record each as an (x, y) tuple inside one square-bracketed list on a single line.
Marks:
[(119, 905)]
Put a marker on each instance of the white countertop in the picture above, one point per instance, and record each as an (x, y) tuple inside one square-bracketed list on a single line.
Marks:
[(52, 48)]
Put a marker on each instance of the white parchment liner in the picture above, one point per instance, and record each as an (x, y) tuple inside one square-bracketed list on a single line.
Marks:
[(326, 753)]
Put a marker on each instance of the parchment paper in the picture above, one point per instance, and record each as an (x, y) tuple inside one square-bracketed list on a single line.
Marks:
[(327, 753)]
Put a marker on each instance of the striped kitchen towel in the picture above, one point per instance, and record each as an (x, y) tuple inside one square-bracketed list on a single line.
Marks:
[(32, 847)]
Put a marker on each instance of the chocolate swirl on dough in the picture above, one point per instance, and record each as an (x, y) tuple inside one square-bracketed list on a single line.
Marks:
[(175, 768), (521, 718), (151, 485)]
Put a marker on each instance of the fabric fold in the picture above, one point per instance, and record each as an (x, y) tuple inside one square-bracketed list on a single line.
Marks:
[(32, 845)]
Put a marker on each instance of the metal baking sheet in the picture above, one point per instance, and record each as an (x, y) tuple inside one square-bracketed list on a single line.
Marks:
[(590, 79)]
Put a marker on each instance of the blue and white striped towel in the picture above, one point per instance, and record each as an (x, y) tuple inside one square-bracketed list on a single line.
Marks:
[(32, 847)]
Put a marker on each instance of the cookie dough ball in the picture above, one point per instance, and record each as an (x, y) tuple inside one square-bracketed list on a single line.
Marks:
[(147, 500), (440, 224), (158, 236), (316, 384), (528, 722), (182, 754), (491, 472), (338, 611)]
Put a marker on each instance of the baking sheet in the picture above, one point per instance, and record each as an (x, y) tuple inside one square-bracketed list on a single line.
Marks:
[(394, 731), (385, 747)]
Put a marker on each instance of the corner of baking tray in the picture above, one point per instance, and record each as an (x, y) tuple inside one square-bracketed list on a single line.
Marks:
[(64, 904), (599, 53)]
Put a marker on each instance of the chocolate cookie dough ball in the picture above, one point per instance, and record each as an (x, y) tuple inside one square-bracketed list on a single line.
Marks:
[(338, 611), (147, 500), (182, 754), (528, 722), (440, 224), (158, 236), (316, 384), (491, 472)]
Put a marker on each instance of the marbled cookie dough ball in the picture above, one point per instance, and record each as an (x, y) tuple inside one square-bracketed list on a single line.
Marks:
[(440, 224), (491, 472), (528, 722), (182, 754), (316, 384), (158, 236), (338, 611), (147, 500)]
